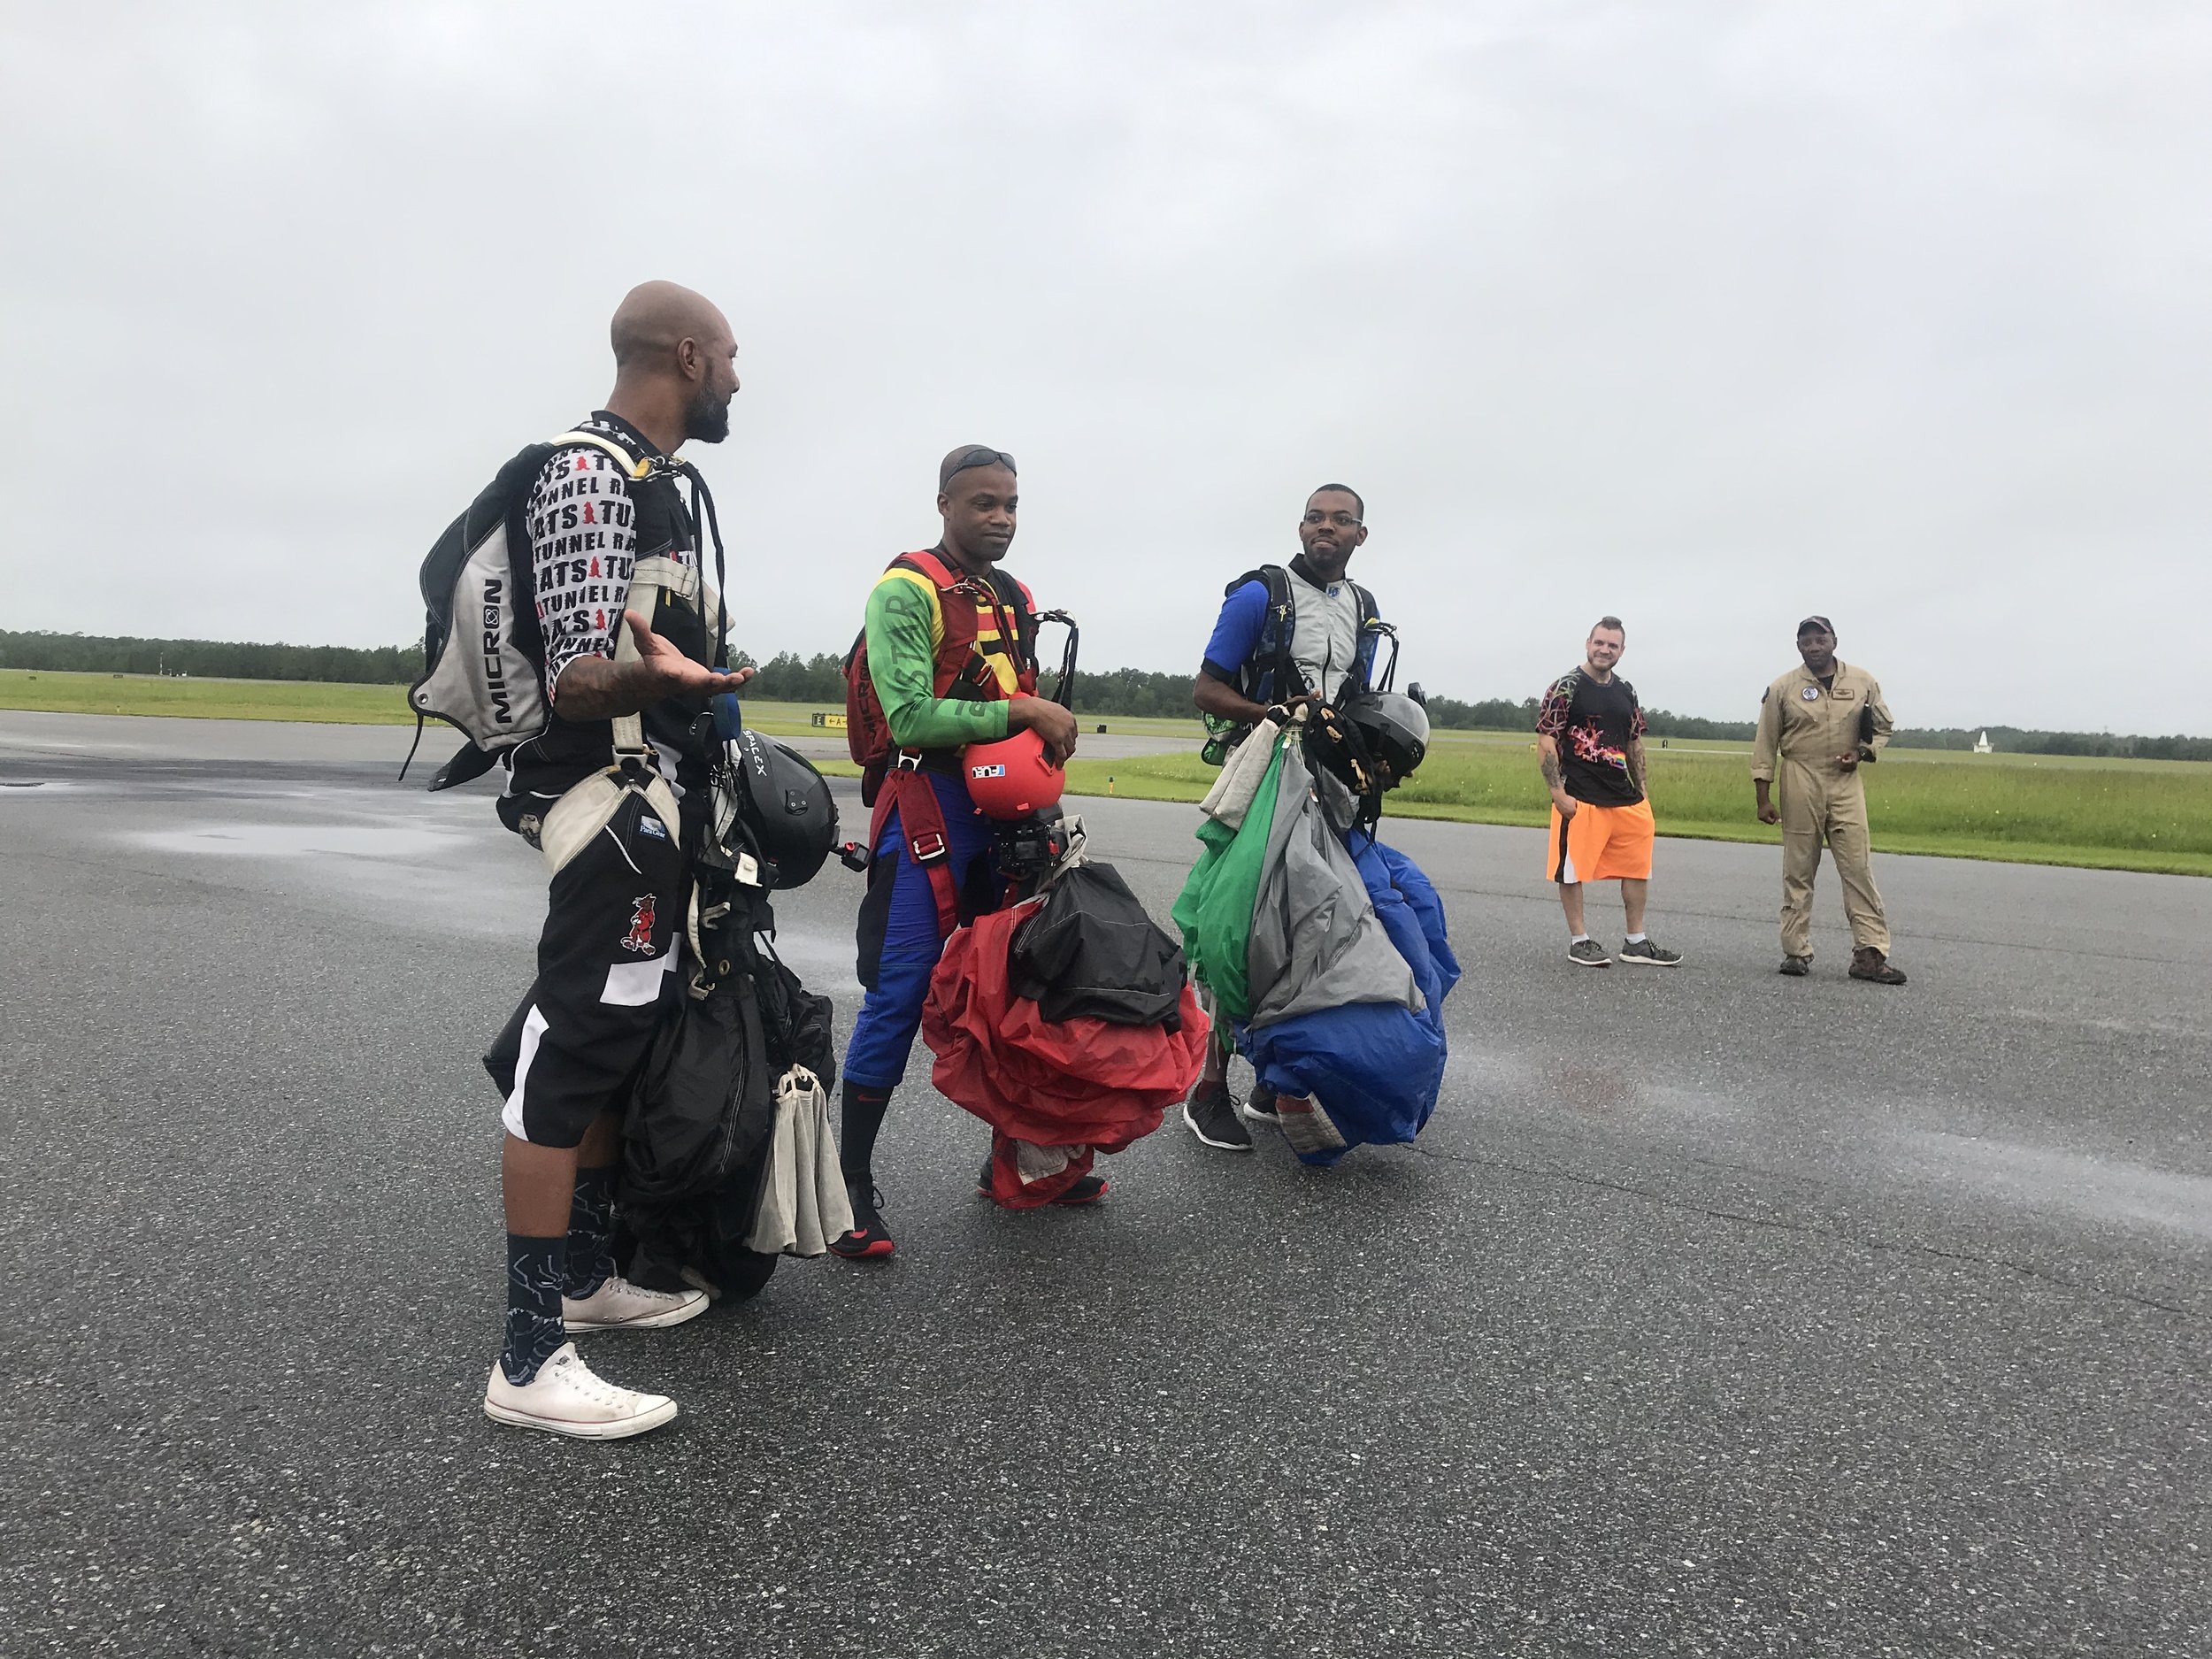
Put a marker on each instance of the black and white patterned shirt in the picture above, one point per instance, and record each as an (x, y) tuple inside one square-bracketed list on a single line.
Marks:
[(583, 545)]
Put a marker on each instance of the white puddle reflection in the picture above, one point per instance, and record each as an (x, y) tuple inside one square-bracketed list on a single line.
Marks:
[(2038, 1176), (298, 840)]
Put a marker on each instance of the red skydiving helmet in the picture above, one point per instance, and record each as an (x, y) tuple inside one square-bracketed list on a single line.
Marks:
[(1011, 778)]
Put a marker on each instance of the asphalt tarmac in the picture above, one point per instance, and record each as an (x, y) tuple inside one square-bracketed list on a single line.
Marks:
[(1714, 1313)]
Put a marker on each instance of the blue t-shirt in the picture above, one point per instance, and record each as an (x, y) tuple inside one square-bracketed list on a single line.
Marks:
[(1237, 632)]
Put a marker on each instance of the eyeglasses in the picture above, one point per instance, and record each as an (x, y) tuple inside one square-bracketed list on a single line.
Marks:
[(1342, 520), (979, 456)]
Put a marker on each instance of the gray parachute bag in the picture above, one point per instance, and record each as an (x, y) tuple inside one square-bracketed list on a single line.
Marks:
[(483, 657)]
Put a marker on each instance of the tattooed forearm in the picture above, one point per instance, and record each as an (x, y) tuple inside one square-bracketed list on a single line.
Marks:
[(1548, 758), (1636, 764)]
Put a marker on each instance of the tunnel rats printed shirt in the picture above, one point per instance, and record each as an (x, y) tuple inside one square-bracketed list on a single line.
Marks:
[(1593, 722), (584, 520)]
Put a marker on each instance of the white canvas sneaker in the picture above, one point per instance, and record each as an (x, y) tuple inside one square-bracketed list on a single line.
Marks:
[(567, 1397), (618, 1305)]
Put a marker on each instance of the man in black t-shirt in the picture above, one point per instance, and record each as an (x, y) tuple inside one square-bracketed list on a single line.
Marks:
[(1590, 732)]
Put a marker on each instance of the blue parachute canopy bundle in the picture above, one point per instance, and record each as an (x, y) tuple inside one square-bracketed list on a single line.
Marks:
[(1339, 998)]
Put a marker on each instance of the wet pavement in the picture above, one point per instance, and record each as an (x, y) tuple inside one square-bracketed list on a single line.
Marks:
[(1714, 1313)]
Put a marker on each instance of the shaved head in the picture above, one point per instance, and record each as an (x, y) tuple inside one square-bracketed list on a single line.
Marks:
[(675, 365), (655, 318)]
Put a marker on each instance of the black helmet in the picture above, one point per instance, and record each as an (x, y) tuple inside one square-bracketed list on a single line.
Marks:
[(1395, 730), (785, 809)]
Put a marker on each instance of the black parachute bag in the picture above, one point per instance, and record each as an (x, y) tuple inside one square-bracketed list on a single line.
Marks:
[(702, 1112), (695, 1136), (1092, 950)]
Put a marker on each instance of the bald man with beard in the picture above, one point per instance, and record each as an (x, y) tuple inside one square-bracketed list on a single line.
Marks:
[(629, 628)]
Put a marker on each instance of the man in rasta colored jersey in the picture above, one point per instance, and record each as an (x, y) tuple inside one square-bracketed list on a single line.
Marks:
[(942, 682), (1590, 736)]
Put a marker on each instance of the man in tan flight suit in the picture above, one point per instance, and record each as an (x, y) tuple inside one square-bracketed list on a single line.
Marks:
[(1822, 722)]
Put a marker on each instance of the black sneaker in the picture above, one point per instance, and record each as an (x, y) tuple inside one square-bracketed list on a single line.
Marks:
[(1589, 954), (1089, 1190), (1259, 1108), (1796, 967), (1211, 1113), (1644, 954), (868, 1238)]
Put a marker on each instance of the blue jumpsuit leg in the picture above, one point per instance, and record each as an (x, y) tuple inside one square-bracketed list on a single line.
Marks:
[(891, 1012)]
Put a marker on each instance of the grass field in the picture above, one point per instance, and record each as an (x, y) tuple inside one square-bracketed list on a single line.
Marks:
[(2120, 815), (204, 699), (2037, 809)]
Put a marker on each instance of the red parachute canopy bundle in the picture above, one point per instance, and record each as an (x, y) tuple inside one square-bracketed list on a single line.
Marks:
[(1066, 1087)]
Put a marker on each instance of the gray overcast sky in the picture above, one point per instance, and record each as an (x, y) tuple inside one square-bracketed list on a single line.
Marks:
[(1710, 315)]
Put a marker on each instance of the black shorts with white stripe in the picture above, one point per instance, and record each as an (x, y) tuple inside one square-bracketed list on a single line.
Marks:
[(606, 959)]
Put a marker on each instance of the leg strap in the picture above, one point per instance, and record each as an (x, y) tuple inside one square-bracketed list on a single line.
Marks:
[(589, 807), (908, 792)]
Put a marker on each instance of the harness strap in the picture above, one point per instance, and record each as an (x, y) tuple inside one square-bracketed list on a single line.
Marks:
[(571, 822), (631, 467), (657, 574), (629, 729), (908, 792)]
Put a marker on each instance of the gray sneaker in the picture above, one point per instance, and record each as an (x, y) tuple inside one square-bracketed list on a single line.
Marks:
[(1590, 954), (1645, 954)]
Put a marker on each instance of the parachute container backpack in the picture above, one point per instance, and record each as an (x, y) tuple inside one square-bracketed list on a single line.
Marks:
[(483, 657)]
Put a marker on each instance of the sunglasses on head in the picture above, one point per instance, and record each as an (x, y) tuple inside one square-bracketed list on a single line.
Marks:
[(967, 460)]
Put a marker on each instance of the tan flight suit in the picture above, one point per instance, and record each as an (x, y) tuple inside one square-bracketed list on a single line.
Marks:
[(1803, 729)]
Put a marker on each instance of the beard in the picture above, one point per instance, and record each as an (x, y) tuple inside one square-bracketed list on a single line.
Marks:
[(707, 417)]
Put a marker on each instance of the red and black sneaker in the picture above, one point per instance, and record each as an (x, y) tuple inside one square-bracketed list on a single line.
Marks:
[(1089, 1190), (868, 1237)]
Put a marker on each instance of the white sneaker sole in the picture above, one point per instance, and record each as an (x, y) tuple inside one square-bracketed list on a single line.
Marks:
[(1586, 962), (1627, 961), (1246, 1112), (1204, 1139), (619, 1429), (651, 1321)]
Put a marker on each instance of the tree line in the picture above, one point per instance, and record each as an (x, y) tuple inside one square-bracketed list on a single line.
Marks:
[(788, 677), (212, 659)]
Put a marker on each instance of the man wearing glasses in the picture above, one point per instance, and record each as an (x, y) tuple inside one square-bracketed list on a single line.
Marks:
[(1304, 633)]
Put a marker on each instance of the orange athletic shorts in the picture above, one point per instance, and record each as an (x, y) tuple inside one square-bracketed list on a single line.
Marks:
[(1599, 843)]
